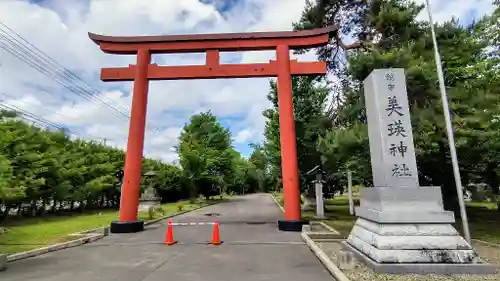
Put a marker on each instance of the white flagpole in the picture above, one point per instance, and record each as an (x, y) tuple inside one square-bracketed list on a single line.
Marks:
[(449, 129)]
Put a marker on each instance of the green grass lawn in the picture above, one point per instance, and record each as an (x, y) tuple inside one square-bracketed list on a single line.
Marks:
[(487, 205), (483, 218), (34, 233)]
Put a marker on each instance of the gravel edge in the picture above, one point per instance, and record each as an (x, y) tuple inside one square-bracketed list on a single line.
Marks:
[(324, 259), (362, 273)]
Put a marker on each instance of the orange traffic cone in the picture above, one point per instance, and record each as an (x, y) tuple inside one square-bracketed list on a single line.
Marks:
[(169, 239), (215, 234)]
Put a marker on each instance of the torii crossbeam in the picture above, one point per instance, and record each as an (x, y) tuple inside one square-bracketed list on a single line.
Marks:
[(212, 44)]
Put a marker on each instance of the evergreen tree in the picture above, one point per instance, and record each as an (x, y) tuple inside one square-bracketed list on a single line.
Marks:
[(387, 35), (309, 101)]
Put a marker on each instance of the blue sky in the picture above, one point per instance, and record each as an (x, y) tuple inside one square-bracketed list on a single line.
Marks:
[(59, 28)]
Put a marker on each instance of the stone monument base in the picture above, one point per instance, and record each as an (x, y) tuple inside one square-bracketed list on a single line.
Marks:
[(144, 206), (421, 268), (406, 230)]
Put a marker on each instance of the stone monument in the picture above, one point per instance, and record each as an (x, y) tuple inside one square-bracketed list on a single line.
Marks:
[(318, 188), (148, 198), (349, 193), (402, 227), (314, 199)]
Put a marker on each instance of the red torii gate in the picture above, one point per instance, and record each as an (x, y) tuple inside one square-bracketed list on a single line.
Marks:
[(212, 44)]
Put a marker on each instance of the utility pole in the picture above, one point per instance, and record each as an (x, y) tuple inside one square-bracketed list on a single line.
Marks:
[(449, 129)]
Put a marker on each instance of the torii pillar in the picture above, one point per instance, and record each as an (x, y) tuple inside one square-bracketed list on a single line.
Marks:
[(212, 44)]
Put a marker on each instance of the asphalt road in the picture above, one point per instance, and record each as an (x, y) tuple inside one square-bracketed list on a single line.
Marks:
[(253, 249)]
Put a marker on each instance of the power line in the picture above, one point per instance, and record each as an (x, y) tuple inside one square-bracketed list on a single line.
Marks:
[(28, 116), (38, 120), (49, 60), (31, 117), (46, 65), (37, 105)]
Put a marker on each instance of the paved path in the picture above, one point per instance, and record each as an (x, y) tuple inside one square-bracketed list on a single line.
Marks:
[(142, 257)]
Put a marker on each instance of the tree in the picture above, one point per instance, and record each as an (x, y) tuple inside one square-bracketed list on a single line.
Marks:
[(205, 154), (43, 171), (258, 168), (387, 35), (309, 100), (238, 181), (342, 150)]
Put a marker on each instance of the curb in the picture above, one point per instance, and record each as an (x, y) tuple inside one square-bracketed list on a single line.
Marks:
[(146, 223), (179, 213), (91, 237), (321, 223), (277, 203), (486, 243), (324, 259), (322, 256), (53, 248), (89, 231)]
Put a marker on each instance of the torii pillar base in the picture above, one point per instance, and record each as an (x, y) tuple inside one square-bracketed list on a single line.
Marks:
[(291, 225), (126, 226)]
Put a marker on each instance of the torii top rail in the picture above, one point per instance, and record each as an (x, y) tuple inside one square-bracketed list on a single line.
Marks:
[(212, 45)]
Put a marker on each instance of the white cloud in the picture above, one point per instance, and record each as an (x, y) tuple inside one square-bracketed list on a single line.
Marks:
[(59, 28), (443, 10), (244, 135)]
